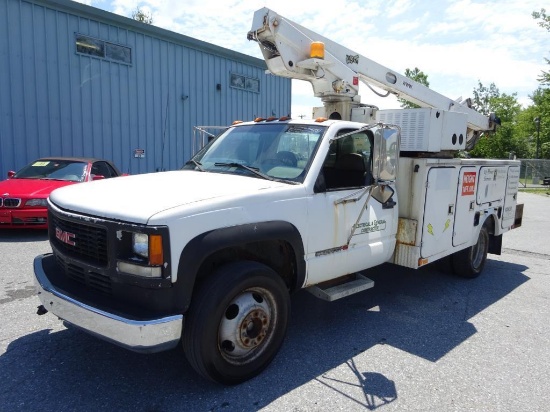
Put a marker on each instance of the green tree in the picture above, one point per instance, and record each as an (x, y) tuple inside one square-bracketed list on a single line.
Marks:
[(505, 140), (483, 97), (142, 15), (526, 132), (541, 110), (418, 76), (544, 19), (544, 22)]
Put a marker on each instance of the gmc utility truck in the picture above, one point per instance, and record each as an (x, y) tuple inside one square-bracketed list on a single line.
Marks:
[(207, 256)]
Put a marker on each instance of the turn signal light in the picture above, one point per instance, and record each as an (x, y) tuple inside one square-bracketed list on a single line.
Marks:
[(155, 250)]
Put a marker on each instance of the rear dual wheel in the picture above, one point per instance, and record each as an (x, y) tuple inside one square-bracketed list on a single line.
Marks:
[(237, 322), (469, 262)]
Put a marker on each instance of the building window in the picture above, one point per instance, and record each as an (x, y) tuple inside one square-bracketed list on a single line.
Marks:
[(105, 50), (244, 83)]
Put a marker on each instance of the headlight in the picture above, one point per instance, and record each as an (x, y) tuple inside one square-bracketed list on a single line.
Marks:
[(149, 247), (37, 202), (147, 250), (140, 244)]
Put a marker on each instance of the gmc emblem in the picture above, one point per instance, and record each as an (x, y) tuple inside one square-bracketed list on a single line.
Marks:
[(65, 237)]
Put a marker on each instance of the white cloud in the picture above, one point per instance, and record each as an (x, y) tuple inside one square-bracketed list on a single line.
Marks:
[(456, 43), (405, 27), (398, 7)]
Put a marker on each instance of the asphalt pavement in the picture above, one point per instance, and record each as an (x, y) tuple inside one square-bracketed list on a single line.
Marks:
[(419, 340)]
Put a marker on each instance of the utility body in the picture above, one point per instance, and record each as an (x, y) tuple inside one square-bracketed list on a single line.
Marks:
[(207, 256)]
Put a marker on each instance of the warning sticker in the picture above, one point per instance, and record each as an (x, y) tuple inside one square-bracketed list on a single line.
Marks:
[(468, 183)]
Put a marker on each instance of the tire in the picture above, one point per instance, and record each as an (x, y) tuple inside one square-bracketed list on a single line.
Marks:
[(237, 322), (469, 262)]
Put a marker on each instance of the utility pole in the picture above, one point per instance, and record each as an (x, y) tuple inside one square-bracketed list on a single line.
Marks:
[(537, 122)]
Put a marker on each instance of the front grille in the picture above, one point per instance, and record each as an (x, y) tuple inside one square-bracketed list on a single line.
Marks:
[(77, 240), (84, 265), (29, 221), (12, 202), (93, 280)]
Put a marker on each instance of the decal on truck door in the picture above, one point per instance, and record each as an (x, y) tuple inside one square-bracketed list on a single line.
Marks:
[(468, 183), (372, 226)]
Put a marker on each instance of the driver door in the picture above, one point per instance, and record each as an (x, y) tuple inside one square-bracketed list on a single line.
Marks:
[(350, 230)]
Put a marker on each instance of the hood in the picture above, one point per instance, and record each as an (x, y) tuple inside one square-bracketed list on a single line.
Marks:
[(137, 198), (30, 188)]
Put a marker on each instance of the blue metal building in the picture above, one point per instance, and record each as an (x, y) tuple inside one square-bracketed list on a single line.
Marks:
[(78, 81)]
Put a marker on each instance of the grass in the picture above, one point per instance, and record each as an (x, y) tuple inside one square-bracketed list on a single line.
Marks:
[(543, 191)]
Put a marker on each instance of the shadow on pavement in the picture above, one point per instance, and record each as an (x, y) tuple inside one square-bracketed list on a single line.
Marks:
[(423, 312), (23, 235)]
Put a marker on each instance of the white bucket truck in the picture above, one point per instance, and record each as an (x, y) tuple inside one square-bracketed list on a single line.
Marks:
[(208, 256)]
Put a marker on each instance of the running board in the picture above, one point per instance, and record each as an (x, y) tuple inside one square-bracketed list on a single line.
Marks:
[(349, 285)]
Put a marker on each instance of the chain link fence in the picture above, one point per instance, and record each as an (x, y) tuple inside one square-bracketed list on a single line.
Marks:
[(534, 172)]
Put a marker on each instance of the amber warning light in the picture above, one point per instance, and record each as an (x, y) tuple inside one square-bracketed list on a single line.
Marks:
[(317, 50)]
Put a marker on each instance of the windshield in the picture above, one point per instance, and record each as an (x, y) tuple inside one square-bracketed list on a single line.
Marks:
[(277, 151), (70, 170)]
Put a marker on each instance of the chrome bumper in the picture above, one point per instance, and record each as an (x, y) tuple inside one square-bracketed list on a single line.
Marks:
[(146, 336)]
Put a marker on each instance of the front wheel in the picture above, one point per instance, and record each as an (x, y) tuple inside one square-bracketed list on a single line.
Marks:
[(469, 262), (237, 322)]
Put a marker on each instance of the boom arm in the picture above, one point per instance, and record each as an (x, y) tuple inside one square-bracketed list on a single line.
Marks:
[(286, 47)]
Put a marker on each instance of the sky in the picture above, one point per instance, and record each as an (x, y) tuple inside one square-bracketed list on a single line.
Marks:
[(456, 43)]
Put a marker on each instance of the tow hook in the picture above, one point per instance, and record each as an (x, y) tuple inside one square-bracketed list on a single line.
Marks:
[(41, 310)]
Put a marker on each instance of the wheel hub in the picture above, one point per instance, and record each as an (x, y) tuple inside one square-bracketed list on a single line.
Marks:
[(254, 328), (245, 325)]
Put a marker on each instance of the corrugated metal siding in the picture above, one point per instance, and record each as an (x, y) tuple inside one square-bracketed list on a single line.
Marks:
[(54, 101)]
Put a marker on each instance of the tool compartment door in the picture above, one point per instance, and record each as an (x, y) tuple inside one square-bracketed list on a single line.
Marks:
[(491, 184), (439, 209), (510, 201), (465, 205)]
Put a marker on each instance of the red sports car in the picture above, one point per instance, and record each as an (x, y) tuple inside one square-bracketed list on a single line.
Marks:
[(23, 195)]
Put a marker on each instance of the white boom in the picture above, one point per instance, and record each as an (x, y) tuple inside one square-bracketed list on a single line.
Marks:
[(286, 47)]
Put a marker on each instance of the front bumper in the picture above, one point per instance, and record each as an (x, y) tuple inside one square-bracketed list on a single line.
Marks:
[(147, 336), (23, 218)]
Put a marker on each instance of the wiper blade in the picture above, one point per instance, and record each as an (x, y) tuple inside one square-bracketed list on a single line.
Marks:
[(257, 172), (254, 170)]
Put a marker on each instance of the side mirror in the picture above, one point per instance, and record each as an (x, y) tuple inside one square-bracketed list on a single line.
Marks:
[(382, 193), (11, 173), (386, 153), (98, 177)]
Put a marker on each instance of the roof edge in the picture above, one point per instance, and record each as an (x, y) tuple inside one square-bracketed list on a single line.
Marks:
[(155, 31)]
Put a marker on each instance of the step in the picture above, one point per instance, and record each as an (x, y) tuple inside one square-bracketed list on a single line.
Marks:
[(353, 284)]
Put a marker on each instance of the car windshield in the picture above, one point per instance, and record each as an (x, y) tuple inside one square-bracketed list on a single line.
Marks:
[(55, 169), (274, 151)]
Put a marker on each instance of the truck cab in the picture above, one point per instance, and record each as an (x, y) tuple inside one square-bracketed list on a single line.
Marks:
[(302, 202)]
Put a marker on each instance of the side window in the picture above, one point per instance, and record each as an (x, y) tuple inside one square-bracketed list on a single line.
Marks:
[(103, 169), (349, 161)]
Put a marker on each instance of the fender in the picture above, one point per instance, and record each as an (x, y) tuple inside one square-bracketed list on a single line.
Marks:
[(491, 218), (204, 245)]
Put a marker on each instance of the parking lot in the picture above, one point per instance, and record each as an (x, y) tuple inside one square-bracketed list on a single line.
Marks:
[(419, 340)]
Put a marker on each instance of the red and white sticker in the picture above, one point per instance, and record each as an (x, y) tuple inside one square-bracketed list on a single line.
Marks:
[(468, 183)]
